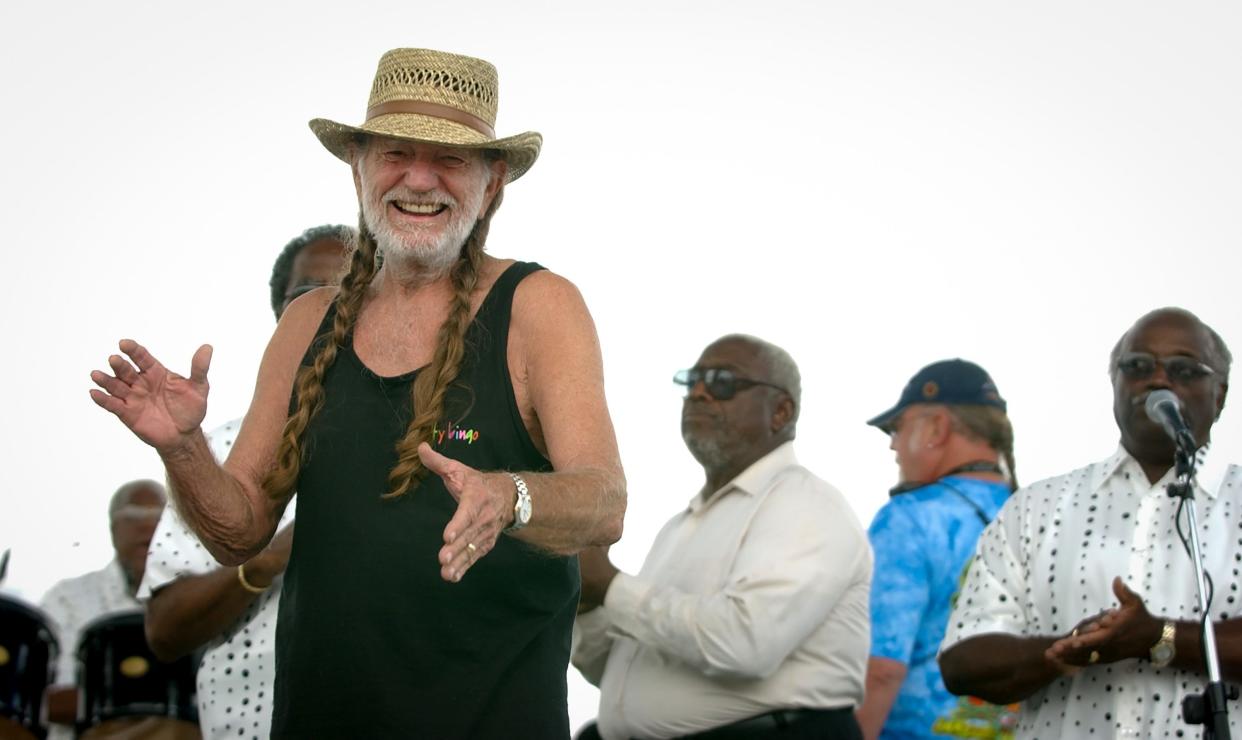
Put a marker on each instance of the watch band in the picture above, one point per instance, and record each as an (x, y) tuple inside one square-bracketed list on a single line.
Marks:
[(1162, 652), (521, 507)]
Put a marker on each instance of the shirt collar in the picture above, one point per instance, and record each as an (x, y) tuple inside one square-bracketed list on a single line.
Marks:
[(752, 480), (1210, 470)]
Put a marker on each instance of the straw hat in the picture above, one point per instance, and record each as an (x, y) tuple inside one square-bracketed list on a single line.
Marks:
[(434, 97)]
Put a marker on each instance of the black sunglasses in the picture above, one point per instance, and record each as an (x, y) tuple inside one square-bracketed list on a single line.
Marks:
[(1178, 368), (721, 383)]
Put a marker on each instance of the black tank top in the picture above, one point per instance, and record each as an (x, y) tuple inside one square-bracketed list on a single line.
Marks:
[(370, 641)]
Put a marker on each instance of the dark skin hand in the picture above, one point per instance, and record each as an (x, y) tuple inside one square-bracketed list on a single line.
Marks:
[(1115, 634), (62, 704), (597, 574), (1003, 669), (1129, 631)]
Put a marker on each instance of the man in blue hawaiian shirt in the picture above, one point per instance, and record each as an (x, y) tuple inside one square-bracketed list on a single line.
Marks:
[(954, 448)]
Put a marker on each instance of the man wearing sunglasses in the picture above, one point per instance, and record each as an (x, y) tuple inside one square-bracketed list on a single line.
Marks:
[(191, 600), (1081, 600), (749, 617)]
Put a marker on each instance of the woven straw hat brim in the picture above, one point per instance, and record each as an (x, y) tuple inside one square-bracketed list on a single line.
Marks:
[(520, 151)]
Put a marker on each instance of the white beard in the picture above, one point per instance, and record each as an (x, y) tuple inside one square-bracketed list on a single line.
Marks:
[(422, 247), (707, 451)]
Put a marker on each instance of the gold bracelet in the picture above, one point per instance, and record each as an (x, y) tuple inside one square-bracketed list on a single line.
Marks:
[(241, 578)]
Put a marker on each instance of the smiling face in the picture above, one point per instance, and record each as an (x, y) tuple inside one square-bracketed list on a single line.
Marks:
[(1165, 335), (422, 200)]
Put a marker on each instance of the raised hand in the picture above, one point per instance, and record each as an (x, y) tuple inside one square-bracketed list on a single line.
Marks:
[(484, 508), (159, 406)]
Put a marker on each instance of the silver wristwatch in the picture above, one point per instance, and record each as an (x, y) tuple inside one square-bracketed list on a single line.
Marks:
[(1162, 652), (521, 509)]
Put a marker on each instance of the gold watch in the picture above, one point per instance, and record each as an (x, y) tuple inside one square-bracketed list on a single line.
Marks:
[(1162, 652)]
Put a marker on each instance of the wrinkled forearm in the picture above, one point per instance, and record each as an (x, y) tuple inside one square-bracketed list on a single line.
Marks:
[(999, 668), (575, 509), (233, 523)]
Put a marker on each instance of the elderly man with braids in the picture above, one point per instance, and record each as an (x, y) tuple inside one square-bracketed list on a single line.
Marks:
[(954, 448), (448, 438)]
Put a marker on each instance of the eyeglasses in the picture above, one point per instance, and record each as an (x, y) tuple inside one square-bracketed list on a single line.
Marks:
[(721, 383), (1178, 368)]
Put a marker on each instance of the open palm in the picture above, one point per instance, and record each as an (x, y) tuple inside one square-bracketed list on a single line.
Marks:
[(158, 405)]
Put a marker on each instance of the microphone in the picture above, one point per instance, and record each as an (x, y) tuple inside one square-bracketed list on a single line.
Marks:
[(1164, 408)]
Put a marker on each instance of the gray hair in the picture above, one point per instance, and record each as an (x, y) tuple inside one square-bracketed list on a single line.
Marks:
[(782, 369)]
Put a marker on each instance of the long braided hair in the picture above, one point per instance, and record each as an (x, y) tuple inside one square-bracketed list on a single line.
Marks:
[(991, 425), (429, 388)]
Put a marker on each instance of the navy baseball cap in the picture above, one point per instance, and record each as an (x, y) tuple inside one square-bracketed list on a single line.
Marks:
[(953, 382)]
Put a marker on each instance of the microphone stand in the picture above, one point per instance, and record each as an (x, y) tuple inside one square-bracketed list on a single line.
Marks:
[(1209, 708)]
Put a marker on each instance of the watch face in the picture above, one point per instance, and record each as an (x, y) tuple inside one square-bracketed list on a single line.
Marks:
[(523, 512), (1162, 654)]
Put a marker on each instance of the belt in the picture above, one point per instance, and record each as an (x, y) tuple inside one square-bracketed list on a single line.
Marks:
[(775, 720)]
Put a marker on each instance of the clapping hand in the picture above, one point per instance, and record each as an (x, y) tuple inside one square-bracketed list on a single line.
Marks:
[(1128, 631)]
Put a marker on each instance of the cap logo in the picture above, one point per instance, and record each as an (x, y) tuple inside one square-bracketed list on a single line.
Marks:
[(931, 389)]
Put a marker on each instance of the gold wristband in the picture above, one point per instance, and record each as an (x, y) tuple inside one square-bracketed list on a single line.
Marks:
[(241, 578)]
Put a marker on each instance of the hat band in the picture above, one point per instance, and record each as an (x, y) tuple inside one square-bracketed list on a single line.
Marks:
[(435, 110)]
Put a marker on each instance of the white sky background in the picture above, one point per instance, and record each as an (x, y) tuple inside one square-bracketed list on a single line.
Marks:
[(871, 186)]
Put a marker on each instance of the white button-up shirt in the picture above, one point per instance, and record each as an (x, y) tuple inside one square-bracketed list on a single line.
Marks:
[(752, 599), (1048, 562)]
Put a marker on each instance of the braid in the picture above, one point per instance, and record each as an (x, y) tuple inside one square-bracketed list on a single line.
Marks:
[(431, 385), (991, 425), (308, 388)]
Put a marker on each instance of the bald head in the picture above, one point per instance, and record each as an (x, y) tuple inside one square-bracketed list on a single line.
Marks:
[(134, 512), (1216, 352), (1142, 362), (144, 493)]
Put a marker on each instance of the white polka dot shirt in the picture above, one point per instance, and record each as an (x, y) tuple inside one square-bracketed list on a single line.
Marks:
[(1048, 562)]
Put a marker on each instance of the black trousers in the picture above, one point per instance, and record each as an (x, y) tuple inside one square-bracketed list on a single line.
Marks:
[(786, 724)]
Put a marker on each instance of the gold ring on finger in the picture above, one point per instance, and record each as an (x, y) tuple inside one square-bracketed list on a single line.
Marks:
[(1094, 657), (470, 546), (1074, 633)]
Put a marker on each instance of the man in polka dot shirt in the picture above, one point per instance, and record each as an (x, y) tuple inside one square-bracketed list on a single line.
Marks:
[(192, 602), (1081, 601)]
